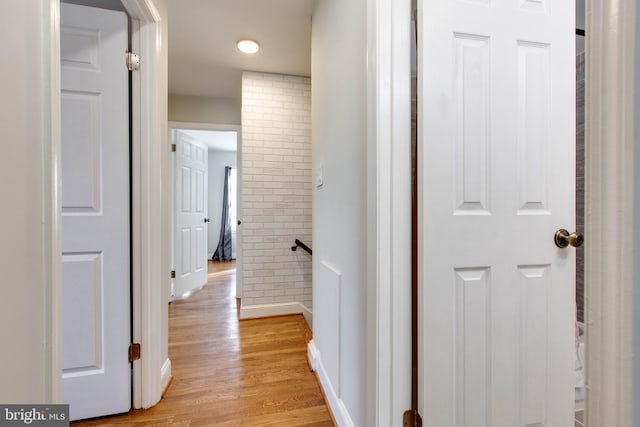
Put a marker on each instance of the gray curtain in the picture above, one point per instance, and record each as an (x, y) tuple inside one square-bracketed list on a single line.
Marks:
[(223, 251)]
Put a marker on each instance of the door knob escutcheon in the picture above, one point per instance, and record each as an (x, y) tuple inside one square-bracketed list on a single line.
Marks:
[(563, 239)]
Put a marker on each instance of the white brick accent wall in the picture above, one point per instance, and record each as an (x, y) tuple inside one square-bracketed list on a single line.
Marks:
[(276, 191)]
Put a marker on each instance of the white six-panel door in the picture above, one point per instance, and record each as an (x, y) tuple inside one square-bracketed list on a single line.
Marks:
[(496, 120), (191, 168), (95, 212)]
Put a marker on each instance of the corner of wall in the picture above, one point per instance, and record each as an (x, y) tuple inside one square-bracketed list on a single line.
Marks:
[(336, 405)]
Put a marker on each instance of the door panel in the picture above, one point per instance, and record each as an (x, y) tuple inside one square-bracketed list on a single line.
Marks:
[(191, 231), (496, 178), (81, 150), (82, 317), (95, 212)]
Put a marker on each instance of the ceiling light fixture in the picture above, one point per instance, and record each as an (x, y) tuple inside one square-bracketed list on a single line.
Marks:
[(248, 46)]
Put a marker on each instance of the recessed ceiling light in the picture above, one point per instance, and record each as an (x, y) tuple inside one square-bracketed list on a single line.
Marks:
[(248, 46)]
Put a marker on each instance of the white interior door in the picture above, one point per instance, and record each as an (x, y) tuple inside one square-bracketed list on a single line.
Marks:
[(496, 120), (95, 211), (191, 168)]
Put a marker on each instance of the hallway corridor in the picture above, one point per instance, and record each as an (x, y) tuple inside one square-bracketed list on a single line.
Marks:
[(231, 373)]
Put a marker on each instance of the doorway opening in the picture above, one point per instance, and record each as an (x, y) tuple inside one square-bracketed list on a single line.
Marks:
[(205, 204)]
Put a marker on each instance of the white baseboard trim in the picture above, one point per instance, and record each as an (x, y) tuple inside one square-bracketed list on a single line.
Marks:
[(266, 310), (340, 412), (307, 315), (312, 354), (165, 374)]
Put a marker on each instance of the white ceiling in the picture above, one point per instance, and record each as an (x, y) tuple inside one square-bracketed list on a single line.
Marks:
[(215, 140), (203, 58)]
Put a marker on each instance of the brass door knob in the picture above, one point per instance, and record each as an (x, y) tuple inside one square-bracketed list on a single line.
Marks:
[(564, 239)]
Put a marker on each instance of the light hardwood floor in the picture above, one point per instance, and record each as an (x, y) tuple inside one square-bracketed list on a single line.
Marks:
[(232, 373)]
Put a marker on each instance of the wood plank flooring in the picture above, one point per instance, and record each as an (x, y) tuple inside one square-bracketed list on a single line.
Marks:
[(231, 373)]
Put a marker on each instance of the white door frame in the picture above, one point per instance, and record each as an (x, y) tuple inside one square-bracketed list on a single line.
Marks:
[(220, 127), (609, 230), (609, 219), (53, 196), (388, 365), (150, 176), (150, 222)]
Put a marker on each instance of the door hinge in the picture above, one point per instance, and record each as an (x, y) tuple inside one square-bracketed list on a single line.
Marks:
[(173, 274), (173, 148), (133, 61), (134, 351), (411, 418)]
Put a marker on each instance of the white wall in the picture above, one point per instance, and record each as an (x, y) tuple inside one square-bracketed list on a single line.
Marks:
[(276, 194), (339, 207), (217, 162), (25, 191), (204, 109)]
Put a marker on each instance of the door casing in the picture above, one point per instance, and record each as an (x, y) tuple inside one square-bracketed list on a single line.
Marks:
[(388, 257), (150, 173), (610, 221)]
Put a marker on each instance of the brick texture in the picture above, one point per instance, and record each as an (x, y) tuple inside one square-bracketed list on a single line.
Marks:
[(276, 188)]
